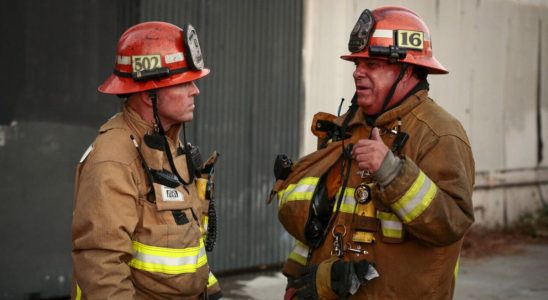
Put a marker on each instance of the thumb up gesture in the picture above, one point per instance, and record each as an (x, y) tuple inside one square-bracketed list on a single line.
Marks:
[(369, 153)]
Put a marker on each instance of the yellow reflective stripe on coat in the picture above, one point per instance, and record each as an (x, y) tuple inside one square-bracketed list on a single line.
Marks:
[(302, 190), (391, 225), (416, 199), (168, 260), (457, 270), (211, 280), (78, 293), (299, 253), (348, 204)]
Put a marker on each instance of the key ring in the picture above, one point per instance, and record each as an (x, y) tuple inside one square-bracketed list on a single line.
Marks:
[(334, 231)]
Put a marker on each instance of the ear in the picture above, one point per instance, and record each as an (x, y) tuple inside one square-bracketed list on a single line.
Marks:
[(408, 73), (409, 78), (144, 98)]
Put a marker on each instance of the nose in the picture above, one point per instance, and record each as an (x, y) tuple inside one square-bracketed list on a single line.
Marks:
[(359, 72), (194, 91)]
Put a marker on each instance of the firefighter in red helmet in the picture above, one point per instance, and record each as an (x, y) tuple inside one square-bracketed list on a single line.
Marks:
[(139, 227), (379, 211)]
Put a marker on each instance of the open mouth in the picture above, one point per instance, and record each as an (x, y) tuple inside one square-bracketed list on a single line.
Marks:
[(363, 88)]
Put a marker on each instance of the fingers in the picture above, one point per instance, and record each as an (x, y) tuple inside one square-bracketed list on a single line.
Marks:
[(364, 145), (375, 135), (369, 153)]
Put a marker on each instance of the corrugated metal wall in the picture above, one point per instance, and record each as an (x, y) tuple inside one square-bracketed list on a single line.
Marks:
[(249, 110)]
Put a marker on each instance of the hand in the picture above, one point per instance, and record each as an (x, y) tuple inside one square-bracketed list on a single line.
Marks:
[(370, 153)]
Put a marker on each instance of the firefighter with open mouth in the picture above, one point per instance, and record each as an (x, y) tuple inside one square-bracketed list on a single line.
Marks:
[(379, 211)]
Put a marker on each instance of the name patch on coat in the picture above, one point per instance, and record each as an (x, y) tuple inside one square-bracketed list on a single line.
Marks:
[(171, 194)]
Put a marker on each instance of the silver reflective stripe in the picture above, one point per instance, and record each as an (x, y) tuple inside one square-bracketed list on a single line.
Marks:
[(348, 204), (391, 225), (301, 249), (389, 34), (299, 253), (383, 33), (417, 198), (123, 60), (211, 280), (303, 190), (395, 225), (407, 209), (169, 261)]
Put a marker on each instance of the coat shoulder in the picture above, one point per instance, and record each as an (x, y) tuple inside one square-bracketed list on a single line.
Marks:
[(440, 122), (114, 144)]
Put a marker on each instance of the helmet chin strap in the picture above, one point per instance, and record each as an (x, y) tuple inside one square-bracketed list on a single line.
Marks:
[(390, 94), (159, 129)]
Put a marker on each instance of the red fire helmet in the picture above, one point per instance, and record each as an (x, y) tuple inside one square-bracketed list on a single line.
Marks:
[(396, 34), (153, 55)]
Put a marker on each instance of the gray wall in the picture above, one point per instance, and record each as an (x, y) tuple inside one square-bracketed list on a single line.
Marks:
[(60, 51)]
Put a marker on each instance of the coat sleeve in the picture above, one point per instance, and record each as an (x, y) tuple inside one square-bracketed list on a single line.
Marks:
[(104, 219), (433, 196)]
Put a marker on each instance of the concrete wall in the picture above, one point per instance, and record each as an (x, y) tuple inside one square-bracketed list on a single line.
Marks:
[(497, 55)]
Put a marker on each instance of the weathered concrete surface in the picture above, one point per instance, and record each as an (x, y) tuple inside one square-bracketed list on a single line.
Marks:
[(519, 276)]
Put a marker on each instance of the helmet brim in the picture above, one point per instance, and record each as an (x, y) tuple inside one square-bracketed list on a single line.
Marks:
[(430, 63), (117, 85)]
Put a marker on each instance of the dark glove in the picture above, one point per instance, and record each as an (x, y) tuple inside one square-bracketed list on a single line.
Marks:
[(348, 276), (333, 279), (306, 284)]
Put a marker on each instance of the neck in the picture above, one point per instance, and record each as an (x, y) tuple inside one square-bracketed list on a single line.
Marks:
[(409, 89), (145, 111)]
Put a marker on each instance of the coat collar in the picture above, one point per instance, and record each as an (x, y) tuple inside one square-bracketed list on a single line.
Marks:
[(130, 118), (390, 115)]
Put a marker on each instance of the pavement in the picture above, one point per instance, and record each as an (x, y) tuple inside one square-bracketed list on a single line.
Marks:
[(521, 275)]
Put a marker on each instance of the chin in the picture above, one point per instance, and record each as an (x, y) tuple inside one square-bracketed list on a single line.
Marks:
[(368, 107), (365, 102)]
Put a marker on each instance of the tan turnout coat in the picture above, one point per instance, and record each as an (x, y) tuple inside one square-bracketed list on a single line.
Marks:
[(128, 247), (417, 222)]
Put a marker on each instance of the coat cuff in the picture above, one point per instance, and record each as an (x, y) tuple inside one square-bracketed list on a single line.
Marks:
[(410, 193), (390, 167)]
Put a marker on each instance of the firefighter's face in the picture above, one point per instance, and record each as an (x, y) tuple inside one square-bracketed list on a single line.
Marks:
[(373, 79), (176, 103)]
